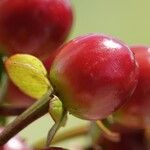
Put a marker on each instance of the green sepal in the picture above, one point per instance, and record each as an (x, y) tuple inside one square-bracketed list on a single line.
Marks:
[(28, 73), (56, 110)]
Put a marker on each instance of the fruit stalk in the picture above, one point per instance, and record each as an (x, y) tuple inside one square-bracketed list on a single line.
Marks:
[(112, 136), (71, 133), (11, 110), (34, 112), (55, 128)]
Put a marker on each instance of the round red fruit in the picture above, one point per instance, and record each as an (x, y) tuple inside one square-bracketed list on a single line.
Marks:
[(138, 108), (17, 98), (34, 26), (94, 75)]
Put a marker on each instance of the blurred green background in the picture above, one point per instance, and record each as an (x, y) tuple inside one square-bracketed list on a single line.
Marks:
[(128, 20)]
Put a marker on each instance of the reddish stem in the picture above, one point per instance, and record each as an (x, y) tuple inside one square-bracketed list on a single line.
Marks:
[(34, 112), (12, 110)]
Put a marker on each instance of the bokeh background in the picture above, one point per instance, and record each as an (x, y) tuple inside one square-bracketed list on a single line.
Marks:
[(128, 20)]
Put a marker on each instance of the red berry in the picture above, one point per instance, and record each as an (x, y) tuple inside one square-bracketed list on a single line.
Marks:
[(138, 108), (48, 62), (15, 97), (94, 75), (34, 26)]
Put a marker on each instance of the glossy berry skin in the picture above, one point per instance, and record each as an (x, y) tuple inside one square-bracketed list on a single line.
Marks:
[(138, 108), (94, 75), (15, 143), (34, 26), (48, 62)]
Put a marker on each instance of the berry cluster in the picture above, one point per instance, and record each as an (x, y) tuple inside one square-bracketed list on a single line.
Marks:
[(93, 77)]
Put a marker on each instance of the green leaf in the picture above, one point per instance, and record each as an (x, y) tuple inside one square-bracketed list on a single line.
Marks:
[(56, 127), (56, 109), (28, 73)]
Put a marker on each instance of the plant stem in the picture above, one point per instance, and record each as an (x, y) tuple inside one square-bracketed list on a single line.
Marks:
[(77, 131), (34, 112), (11, 110), (113, 136), (70, 133), (55, 128)]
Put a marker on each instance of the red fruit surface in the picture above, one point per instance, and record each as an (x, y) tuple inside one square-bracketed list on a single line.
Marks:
[(138, 108), (48, 62), (94, 75), (34, 26), (15, 143), (15, 97)]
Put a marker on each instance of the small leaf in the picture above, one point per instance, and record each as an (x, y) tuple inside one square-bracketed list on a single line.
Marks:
[(28, 73), (59, 115), (61, 122), (56, 109)]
